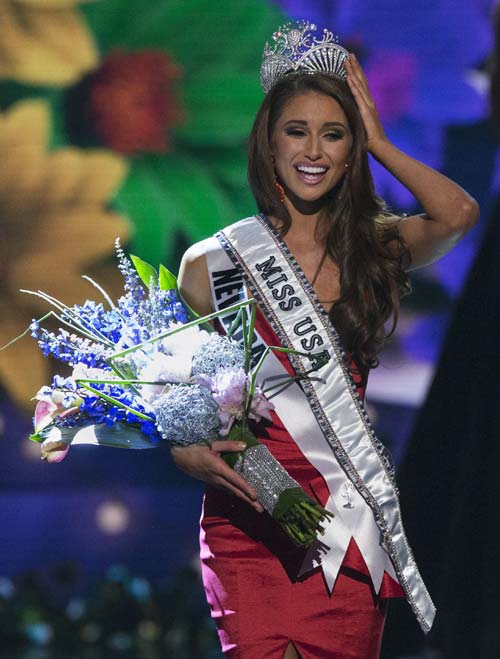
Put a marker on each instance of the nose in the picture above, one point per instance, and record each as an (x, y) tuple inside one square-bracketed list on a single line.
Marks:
[(313, 148)]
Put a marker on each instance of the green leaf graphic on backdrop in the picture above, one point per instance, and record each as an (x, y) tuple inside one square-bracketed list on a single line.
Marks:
[(200, 184)]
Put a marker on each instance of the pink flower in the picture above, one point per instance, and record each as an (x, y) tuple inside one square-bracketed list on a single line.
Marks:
[(261, 407), (54, 451), (52, 404), (44, 411), (229, 388)]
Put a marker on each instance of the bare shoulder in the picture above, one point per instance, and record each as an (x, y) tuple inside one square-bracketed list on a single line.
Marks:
[(194, 283), (197, 252)]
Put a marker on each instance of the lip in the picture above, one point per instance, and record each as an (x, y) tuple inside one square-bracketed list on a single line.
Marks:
[(310, 178), (304, 163)]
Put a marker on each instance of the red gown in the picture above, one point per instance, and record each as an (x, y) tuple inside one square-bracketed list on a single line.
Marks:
[(250, 568)]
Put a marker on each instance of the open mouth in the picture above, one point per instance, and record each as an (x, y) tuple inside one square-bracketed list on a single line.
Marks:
[(311, 174)]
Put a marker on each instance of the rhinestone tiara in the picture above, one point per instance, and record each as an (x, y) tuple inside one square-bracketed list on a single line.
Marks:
[(301, 48)]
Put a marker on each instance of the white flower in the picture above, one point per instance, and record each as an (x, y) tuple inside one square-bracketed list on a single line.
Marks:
[(82, 372), (186, 342), (173, 363)]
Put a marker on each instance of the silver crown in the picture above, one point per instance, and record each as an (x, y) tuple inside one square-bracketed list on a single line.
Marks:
[(298, 50)]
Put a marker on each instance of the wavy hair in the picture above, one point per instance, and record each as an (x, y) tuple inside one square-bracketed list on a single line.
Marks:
[(355, 222)]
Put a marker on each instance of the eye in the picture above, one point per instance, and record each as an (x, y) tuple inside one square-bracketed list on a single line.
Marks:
[(295, 132), (334, 135)]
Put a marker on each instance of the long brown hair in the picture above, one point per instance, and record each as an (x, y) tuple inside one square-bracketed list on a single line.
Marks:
[(356, 223)]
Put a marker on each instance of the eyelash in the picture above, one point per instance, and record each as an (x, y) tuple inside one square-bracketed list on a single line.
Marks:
[(297, 132)]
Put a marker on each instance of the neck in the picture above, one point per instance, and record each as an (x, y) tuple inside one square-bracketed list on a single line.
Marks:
[(305, 220)]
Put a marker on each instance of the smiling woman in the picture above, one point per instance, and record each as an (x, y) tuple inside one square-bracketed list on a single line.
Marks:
[(326, 263), (311, 145), (308, 121)]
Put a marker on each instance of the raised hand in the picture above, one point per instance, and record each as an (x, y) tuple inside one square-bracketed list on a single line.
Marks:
[(358, 85)]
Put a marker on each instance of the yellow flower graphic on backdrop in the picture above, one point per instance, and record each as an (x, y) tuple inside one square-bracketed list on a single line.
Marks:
[(44, 42), (55, 225)]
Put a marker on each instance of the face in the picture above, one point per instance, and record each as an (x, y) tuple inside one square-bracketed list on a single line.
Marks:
[(311, 143)]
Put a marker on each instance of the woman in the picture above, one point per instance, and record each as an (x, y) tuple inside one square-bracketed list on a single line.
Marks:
[(323, 253)]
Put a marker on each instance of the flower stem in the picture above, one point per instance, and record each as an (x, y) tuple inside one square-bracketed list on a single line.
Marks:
[(101, 291), (27, 330), (300, 516), (193, 323), (118, 403)]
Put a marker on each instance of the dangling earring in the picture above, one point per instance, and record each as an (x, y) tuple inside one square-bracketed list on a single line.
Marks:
[(277, 184), (280, 189)]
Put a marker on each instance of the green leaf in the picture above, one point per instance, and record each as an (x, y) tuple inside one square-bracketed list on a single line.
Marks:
[(167, 279), (164, 195), (238, 433), (37, 438), (145, 271), (220, 106), (197, 33)]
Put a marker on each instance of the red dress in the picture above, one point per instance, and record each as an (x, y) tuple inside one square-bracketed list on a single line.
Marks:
[(250, 568)]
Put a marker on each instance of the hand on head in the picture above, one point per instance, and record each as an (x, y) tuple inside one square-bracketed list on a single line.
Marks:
[(358, 84)]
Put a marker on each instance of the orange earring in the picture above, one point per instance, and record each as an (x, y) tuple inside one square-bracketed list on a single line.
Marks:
[(277, 184), (280, 189)]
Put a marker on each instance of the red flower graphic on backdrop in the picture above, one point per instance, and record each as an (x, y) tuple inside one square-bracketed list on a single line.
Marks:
[(131, 103)]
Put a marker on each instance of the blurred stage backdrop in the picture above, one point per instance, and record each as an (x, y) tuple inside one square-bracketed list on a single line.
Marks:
[(129, 118)]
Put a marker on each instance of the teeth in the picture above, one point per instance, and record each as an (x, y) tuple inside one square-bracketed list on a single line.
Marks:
[(311, 170)]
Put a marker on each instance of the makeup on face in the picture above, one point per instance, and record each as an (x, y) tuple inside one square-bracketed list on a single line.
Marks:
[(311, 143)]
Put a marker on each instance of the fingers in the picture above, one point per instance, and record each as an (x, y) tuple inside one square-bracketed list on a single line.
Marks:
[(221, 446), (355, 71), (227, 485), (356, 76), (204, 462), (232, 478), (357, 82)]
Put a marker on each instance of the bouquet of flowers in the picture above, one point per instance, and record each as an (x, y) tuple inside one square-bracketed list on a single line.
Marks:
[(143, 373)]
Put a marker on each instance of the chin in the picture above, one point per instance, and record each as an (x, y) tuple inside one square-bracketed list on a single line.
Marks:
[(313, 195)]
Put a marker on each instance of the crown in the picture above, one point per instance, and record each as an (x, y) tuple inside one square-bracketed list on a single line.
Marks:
[(298, 48)]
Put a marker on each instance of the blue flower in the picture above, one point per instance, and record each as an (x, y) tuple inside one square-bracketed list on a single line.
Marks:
[(34, 328), (132, 285)]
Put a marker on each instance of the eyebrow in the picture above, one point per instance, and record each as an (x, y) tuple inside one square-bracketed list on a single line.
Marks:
[(327, 124)]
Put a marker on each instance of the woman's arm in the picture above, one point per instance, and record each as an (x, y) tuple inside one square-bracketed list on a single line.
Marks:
[(194, 283), (198, 460), (449, 210)]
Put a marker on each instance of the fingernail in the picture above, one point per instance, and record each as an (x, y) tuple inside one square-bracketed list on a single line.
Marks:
[(241, 446)]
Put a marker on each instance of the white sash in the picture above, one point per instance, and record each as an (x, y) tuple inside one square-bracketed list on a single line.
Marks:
[(331, 419)]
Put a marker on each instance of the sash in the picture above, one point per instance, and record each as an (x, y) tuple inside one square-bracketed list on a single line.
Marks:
[(353, 517), (361, 477)]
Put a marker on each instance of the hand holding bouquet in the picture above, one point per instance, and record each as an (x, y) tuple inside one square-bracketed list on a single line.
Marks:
[(143, 374)]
